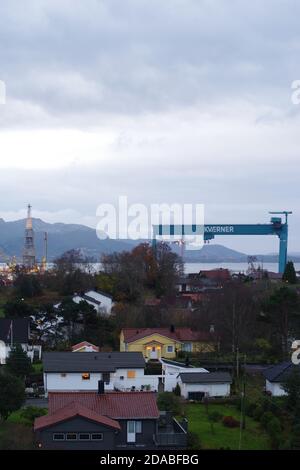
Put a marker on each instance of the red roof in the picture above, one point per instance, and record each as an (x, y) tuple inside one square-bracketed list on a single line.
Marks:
[(179, 334), (220, 274), (115, 405), (85, 343), (70, 411)]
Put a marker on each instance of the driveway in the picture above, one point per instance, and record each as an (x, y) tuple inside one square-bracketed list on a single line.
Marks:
[(39, 402)]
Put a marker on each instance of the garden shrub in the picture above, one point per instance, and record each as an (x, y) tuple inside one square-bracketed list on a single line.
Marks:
[(266, 418), (230, 422), (29, 413), (250, 408), (167, 401), (258, 412), (193, 441), (274, 431), (177, 390)]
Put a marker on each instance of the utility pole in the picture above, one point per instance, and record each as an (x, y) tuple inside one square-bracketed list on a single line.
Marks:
[(237, 364), (244, 395), (243, 402)]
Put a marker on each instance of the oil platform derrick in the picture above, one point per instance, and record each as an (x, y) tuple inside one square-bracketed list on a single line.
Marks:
[(29, 257)]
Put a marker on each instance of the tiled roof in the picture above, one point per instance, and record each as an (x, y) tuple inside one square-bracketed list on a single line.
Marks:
[(115, 405), (83, 344), (179, 334), (204, 377), (91, 361), (70, 411), (280, 372)]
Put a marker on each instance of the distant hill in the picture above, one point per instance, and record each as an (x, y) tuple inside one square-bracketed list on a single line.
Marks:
[(215, 253), (63, 237)]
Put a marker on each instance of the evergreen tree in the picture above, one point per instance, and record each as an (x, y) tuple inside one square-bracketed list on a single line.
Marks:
[(289, 274), (292, 388), (12, 394), (18, 363)]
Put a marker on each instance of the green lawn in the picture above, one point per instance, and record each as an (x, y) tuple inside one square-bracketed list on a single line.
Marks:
[(253, 437)]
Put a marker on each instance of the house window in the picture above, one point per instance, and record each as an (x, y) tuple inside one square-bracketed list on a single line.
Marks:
[(187, 347), (85, 376), (71, 436), (106, 377), (131, 374), (63, 374), (97, 437), (58, 437), (138, 427), (170, 348), (121, 377), (84, 437)]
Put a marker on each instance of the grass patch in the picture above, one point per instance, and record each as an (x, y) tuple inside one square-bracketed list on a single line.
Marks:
[(253, 437), (26, 416), (15, 436)]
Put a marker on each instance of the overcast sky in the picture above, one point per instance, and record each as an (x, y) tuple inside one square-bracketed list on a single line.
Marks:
[(183, 101)]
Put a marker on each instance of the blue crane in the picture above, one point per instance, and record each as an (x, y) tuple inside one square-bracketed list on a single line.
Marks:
[(275, 227)]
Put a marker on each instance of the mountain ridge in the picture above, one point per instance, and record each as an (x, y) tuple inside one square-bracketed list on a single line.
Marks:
[(63, 237)]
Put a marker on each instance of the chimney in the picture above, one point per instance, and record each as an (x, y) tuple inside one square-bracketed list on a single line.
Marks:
[(100, 387), (172, 328), (212, 328)]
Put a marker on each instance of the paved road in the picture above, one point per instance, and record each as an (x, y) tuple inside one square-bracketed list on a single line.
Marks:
[(39, 402)]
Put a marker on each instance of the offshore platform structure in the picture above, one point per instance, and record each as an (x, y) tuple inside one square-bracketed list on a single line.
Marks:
[(29, 257), (275, 227)]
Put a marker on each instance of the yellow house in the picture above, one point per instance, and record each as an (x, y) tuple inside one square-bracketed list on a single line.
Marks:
[(156, 343)]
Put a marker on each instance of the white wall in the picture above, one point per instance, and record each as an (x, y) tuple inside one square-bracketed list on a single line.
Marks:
[(106, 302), (212, 390), (171, 374), (73, 380), (275, 388), (5, 351)]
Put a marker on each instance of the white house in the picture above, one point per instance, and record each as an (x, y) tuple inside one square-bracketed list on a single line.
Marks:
[(195, 386), (17, 331), (85, 346), (102, 302), (171, 371), (124, 371), (276, 376)]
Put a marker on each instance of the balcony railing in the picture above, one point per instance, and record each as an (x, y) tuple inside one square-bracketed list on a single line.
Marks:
[(172, 434)]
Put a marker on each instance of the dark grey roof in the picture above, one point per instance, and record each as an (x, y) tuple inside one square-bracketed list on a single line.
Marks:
[(205, 377), (91, 361), (280, 372), (20, 330)]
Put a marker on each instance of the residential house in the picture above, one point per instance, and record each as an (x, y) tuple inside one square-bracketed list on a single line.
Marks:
[(17, 331), (101, 301), (66, 371), (107, 421), (196, 385), (277, 375), (157, 343), (171, 371), (85, 346)]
